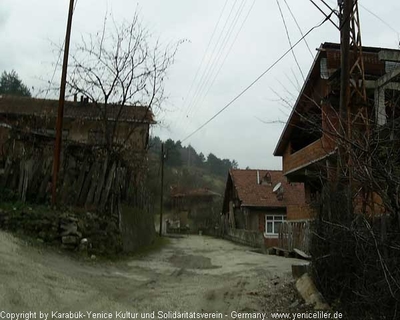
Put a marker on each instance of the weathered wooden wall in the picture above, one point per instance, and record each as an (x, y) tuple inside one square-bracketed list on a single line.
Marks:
[(89, 177), (295, 235)]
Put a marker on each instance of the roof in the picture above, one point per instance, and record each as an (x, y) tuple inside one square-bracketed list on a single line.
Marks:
[(200, 192), (20, 106), (253, 194), (373, 67)]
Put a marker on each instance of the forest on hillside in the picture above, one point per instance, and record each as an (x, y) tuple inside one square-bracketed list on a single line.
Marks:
[(185, 168)]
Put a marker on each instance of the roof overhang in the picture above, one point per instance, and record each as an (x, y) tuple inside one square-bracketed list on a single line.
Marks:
[(284, 138)]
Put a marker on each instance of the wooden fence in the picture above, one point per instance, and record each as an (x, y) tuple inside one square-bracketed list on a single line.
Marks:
[(295, 235)]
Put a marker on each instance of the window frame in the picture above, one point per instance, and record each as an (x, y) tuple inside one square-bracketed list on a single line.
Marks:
[(271, 219)]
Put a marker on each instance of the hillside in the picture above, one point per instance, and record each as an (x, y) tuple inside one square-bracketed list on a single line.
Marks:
[(185, 168)]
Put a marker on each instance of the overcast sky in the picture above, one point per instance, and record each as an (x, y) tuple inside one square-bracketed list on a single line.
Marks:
[(247, 35)]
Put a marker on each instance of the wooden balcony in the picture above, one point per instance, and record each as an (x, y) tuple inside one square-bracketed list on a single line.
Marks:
[(310, 154)]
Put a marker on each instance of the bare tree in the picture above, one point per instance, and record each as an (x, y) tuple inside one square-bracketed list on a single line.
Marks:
[(118, 68)]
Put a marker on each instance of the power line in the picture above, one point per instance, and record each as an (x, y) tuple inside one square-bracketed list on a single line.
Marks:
[(220, 51), (298, 27), (231, 24), (381, 20), (211, 75), (257, 79), (205, 72), (205, 53), (290, 41), (326, 16)]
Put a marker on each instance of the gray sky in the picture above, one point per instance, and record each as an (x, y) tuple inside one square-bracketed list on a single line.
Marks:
[(29, 27)]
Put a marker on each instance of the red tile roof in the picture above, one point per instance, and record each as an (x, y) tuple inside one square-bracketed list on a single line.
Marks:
[(254, 194), (12, 105)]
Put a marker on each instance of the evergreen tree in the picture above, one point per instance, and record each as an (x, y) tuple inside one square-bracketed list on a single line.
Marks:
[(11, 84)]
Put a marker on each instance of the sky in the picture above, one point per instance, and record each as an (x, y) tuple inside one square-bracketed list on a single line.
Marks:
[(227, 45)]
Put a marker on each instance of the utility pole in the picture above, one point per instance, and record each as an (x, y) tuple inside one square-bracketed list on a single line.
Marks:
[(57, 147), (344, 63), (353, 113), (162, 186), (344, 27)]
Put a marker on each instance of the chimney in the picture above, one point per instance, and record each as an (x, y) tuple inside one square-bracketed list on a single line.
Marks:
[(258, 177), (75, 97)]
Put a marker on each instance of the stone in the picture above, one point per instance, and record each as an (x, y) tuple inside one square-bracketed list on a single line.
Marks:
[(309, 292)]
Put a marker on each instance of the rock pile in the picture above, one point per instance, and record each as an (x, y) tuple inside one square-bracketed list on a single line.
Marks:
[(86, 232), (70, 236)]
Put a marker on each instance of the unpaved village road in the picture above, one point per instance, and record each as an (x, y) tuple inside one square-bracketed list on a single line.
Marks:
[(193, 273)]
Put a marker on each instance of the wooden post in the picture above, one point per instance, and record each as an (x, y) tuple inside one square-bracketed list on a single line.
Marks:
[(162, 186), (344, 78), (57, 147)]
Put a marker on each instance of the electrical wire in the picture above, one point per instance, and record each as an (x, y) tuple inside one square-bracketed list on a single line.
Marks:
[(215, 61), (220, 50), (212, 74), (323, 12), (205, 71), (257, 79), (298, 27), (204, 56), (381, 20), (290, 41)]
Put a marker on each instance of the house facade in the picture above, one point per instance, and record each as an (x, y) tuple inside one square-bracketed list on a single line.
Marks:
[(309, 142), (260, 201)]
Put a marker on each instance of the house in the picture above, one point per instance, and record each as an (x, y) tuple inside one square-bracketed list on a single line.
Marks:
[(257, 202), (197, 209), (83, 122), (308, 144), (88, 175)]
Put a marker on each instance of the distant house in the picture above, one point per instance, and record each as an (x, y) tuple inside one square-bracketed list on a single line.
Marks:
[(84, 122), (259, 201), (195, 208)]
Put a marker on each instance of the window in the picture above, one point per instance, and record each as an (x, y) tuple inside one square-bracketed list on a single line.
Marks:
[(272, 224)]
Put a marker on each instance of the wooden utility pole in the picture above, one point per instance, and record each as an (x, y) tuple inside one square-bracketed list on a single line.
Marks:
[(60, 115), (344, 63), (345, 9), (162, 186)]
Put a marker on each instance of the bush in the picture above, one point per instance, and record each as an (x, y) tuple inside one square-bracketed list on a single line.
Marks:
[(356, 259)]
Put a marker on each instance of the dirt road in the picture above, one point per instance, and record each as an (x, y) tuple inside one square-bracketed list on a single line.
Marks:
[(194, 273)]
